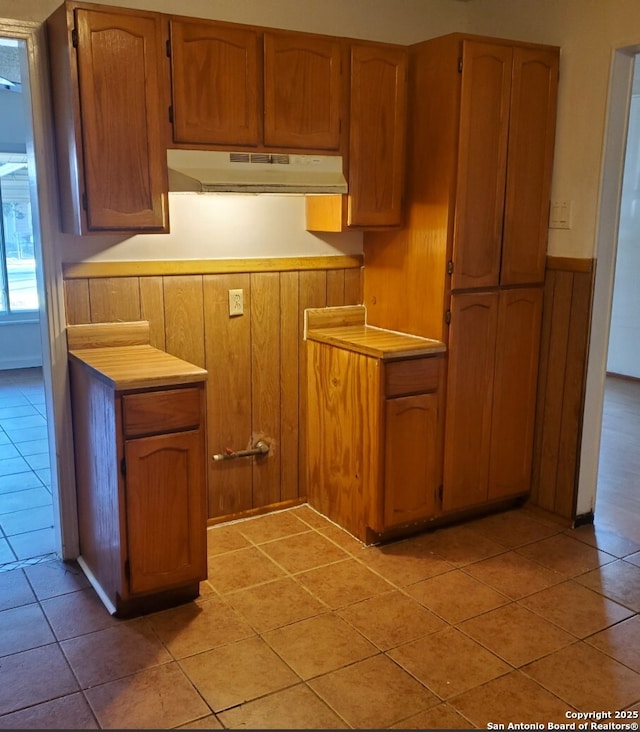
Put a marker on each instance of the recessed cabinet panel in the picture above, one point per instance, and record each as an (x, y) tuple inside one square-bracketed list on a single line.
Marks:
[(482, 158), (377, 135), (214, 76), (530, 163), (165, 511), (302, 91), (120, 103)]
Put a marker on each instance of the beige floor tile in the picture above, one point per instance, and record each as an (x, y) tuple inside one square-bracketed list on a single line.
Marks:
[(575, 608), (448, 662), (343, 539), (15, 590), (77, 613), (618, 580), (604, 539), (294, 708), (391, 619), (210, 722), (242, 568), (275, 604), (157, 698), (343, 583), (511, 698), (441, 716), (271, 526), (516, 634), (22, 628), (586, 678), (460, 545), (34, 676), (373, 693), (112, 653), (565, 555), (319, 645), (405, 562), (67, 712), (238, 672), (455, 596), (300, 552), (633, 559), (514, 575), (199, 626), (514, 528), (621, 641), (49, 579), (225, 538), (310, 516)]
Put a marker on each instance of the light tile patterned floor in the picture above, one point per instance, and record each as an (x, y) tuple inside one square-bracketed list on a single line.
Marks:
[(26, 518), (507, 618)]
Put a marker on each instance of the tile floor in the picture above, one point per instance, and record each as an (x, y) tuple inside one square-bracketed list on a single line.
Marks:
[(508, 618), (26, 518)]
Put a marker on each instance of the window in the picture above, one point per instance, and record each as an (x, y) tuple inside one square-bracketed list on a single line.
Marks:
[(18, 290)]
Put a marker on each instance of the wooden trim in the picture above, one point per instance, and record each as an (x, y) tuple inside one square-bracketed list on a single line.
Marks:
[(623, 377), (79, 270), (102, 335), (570, 264), (259, 511)]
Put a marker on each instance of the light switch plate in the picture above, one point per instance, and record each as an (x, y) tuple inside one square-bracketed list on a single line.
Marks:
[(560, 214)]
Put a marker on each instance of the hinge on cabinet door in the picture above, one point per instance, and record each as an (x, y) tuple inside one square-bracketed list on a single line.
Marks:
[(123, 466), (460, 65), (171, 113), (450, 266), (168, 47), (74, 37), (447, 317)]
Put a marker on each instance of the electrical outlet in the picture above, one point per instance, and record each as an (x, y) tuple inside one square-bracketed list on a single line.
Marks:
[(236, 302), (560, 214)]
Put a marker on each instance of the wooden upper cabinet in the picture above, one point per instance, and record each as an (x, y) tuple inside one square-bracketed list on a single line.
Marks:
[(378, 111), (106, 70), (302, 91), (530, 162), (507, 132), (214, 77)]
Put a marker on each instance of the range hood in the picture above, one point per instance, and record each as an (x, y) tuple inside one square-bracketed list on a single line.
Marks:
[(206, 171)]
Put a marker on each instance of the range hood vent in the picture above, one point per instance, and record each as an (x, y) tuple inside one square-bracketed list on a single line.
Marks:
[(206, 171)]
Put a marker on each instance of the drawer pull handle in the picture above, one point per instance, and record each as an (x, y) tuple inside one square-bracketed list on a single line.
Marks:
[(261, 448)]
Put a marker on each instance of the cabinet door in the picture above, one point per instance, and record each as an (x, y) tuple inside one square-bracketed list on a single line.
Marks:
[(302, 91), (214, 77), (166, 511), (412, 471), (120, 105), (514, 397), (377, 135), (530, 160), (482, 157), (470, 389)]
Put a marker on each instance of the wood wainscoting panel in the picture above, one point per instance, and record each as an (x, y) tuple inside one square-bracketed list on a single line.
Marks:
[(564, 346), (254, 361)]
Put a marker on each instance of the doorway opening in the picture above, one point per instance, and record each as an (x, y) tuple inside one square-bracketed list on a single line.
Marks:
[(27, 520)]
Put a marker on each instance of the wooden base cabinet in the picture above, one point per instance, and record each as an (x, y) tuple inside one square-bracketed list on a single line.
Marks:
[(374, 445), (141, 485), (491, 394)]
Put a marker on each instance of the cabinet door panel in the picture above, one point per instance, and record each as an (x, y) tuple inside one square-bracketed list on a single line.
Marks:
[(214, 76), (514, 404), (530, 161), (484, 120), (412, 467), (124, 158), (472, 341), (302, 91), (166, 513), (377, 136)]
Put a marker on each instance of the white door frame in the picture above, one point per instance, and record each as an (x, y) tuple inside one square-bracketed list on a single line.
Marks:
[(615, 143), (50, 286)]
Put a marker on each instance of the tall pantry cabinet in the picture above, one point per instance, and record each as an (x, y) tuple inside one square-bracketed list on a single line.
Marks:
[(469, 266)]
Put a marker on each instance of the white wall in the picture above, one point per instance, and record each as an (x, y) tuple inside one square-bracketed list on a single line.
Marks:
[(624, 336), (20, 345)]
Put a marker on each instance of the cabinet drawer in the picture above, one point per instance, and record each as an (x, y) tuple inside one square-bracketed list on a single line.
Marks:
[(155, 412), (412, 376)]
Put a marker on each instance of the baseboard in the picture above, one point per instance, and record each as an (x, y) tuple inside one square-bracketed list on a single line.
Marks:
[(7, 364), (624, 377), (583, 519)]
